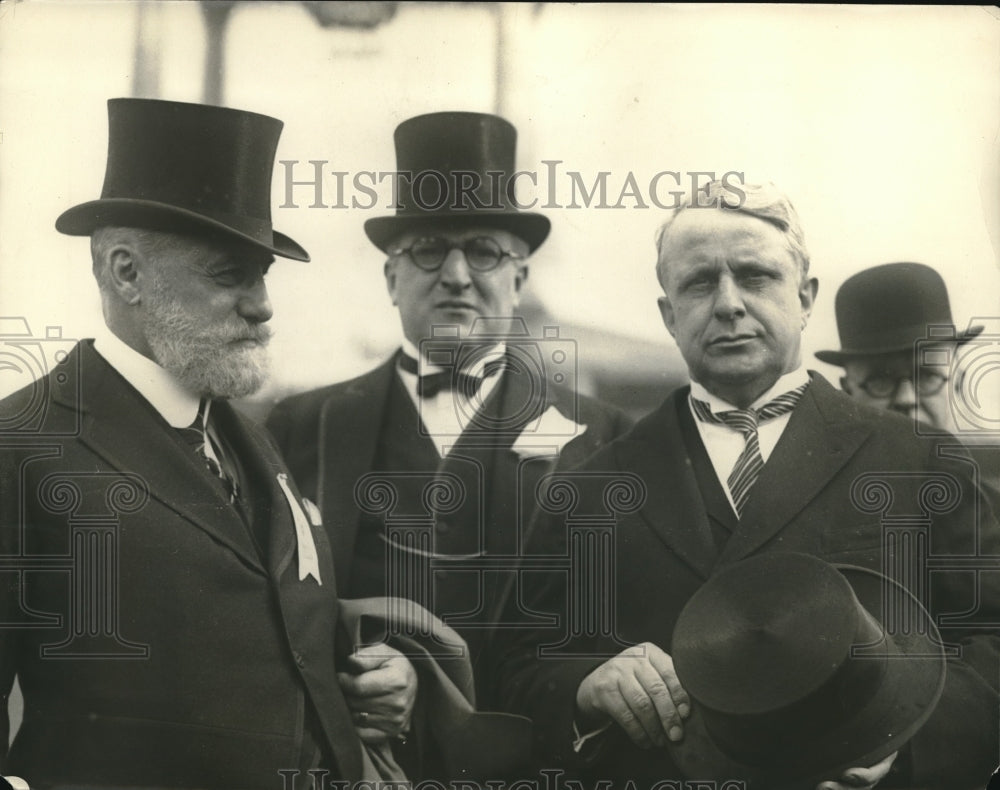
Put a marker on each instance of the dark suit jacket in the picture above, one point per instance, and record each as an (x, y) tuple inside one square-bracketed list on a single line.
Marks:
[(153, 643), (802, 502), (329, 439)]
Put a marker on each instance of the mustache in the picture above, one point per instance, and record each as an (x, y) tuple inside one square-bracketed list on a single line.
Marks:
[(260, 333)]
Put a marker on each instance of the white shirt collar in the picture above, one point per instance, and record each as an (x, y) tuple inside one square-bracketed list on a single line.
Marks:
[(787, 382), (177, 405)]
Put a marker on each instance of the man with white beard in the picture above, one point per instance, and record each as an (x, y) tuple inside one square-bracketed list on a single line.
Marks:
[(167, 604)]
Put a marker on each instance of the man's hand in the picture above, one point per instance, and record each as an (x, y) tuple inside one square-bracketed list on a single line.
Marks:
[(381, 696), (638, 689), (854, 778)]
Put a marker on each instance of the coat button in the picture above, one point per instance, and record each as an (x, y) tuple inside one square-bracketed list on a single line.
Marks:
[(299, 660)]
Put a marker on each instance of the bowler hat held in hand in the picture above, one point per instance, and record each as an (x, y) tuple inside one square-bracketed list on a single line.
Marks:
[(794, 674)]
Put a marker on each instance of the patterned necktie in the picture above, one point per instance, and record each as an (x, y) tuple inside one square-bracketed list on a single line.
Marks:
[(430, 384), (747, 468), (198, 437)]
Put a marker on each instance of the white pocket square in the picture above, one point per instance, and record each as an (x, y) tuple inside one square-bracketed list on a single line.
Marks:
[(548, 436)]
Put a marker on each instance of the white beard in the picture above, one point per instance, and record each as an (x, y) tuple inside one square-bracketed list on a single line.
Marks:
[(202, 357)]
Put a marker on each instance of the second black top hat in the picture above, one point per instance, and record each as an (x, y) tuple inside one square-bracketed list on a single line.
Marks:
[(455, 168)]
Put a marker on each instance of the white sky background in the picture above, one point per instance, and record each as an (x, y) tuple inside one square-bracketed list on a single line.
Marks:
[(882, 124)]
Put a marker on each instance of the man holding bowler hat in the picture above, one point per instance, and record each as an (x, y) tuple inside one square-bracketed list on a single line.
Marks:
[(458, 426), (168, 607)]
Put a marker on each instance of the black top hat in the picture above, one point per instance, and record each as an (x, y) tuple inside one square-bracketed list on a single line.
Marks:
[(183, 167), (889, 307), (456, 168), (793, 675)]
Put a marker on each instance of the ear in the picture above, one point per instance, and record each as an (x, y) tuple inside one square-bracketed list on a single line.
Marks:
[(520, 277), (389, 270), (807, 297), (124, 267), (667, 313)]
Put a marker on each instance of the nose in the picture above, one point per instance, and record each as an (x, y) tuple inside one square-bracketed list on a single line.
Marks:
[(905, 397), (255, 304), (454, 273), (728, 299)]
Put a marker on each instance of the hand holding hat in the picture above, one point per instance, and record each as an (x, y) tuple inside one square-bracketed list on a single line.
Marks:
[(794, 677)]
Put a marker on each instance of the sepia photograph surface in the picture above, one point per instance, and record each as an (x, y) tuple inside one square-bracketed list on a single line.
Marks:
[(880, 123)]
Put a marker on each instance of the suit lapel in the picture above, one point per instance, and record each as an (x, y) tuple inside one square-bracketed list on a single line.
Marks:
[(820, 438), (349, 428), (121, 427), (261, 466), (674, 509), (514, 404)]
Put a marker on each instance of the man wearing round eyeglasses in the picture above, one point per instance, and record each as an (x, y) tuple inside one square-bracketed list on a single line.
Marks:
[(455, 277), (425, 469), (882, 314)]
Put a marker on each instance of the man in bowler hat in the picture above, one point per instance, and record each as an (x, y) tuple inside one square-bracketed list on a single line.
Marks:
[(756, 456), (168, 607), (882, 314), (457, 427)]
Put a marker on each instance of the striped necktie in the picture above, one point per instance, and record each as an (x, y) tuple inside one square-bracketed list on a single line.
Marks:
[(199, 437), (747, 468)]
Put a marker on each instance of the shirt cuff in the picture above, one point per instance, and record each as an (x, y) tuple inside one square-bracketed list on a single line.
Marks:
[(580, 740)]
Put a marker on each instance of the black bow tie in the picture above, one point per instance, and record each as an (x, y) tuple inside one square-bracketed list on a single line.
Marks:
[(430, 384)]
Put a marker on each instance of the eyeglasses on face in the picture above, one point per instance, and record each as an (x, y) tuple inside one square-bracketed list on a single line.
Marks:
[(482, 253), (884, 385)]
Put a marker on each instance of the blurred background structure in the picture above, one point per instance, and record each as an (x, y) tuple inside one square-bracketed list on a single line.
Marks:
[(881, 123)]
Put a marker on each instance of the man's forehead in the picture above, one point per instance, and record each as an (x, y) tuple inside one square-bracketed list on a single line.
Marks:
[(215, 250), (704, 237), (702, 223), (717, 233)]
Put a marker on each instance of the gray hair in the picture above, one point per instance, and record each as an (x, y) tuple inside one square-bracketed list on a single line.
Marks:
[(763, 201), (106, 238)]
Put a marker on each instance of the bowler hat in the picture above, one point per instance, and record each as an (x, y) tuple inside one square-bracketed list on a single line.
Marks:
[(888, 308), (181, 167), (794, 675), (456, 168)]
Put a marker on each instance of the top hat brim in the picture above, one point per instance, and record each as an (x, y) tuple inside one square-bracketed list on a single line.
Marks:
[(846, 354), (85, 218), (905, 699), (532, 228)]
